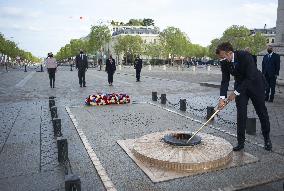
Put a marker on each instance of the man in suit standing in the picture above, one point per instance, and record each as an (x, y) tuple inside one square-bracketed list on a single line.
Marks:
[(82, 66), (110, 69), (270, 69), (249, 84), (138, 67)]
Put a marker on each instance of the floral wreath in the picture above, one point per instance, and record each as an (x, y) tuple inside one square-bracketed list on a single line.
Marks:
[(106, 99)]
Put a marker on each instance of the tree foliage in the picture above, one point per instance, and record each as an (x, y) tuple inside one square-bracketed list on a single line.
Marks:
[(129, 45), (99, 35), (10, 49), (135, 22), (240, 37), (174, 42)]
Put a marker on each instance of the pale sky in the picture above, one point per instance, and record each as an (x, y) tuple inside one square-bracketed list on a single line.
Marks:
[(41, 26)]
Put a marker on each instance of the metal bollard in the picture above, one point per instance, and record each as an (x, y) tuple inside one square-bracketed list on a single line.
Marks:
[(56, 122), (154, 96), (163, 98), (210, 111), (53, 111), (251, 126), (62, 147), (72, 183), (182, 104), (51, 103)]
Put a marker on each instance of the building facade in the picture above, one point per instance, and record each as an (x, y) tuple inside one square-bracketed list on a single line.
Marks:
[(149, 34), (269, 34)]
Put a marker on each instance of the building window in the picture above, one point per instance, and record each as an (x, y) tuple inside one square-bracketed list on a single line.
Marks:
[(272, 40), (267, 40)]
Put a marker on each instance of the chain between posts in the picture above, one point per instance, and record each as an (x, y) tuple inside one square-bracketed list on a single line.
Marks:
[(221, 119)]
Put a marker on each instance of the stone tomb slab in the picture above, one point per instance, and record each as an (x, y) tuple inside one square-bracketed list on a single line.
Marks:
[(106, 125), (157, 174)]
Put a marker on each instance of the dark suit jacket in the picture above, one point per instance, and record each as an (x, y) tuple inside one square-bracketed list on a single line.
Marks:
[(81, 64), (110, 66), (271, 66), (254, 58), (247, 76), (138, 64)]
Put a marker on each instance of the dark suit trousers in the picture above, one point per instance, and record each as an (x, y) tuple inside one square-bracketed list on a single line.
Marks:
[(51, 72), (257, 96), (271, 80), (81, 76), (138, 71), (110, 77)]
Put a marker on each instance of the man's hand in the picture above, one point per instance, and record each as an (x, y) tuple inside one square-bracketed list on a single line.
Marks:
[(222, 104), (232, 96)]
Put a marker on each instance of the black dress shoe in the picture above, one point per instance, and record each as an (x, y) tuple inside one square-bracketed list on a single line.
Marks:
[(80, 85), (271, 100), (238, 147), (84, 86), (268, 145)]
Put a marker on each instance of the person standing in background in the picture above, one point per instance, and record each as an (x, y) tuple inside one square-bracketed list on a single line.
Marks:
[(270, 70), (82, 66), (51, 68), (138, 67), (110, 69)]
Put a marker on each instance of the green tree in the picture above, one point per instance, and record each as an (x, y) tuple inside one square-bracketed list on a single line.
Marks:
[(129, 45), (212, 48), (174, 42), (135, 22), (258, 43), (99, 36), (11, 50), (148, 22), (153, 50), (240, 37), (76, 45)]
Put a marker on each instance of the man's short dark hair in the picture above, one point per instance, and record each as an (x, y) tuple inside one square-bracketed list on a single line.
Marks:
[(224, 46)]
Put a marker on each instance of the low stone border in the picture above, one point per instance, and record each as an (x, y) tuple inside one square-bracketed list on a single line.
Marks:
[(95, 160)]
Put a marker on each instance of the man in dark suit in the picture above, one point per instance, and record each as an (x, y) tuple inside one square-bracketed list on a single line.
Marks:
[(254, 56), (110, 69), (138, 67), (249, 84), (82, 66), (270, 69)]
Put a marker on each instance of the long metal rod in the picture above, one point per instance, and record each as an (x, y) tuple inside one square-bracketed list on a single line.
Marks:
[(203, 125), (217, 111)]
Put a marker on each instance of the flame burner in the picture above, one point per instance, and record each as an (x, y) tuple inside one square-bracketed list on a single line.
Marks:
[(169, 150), (180, 139)]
